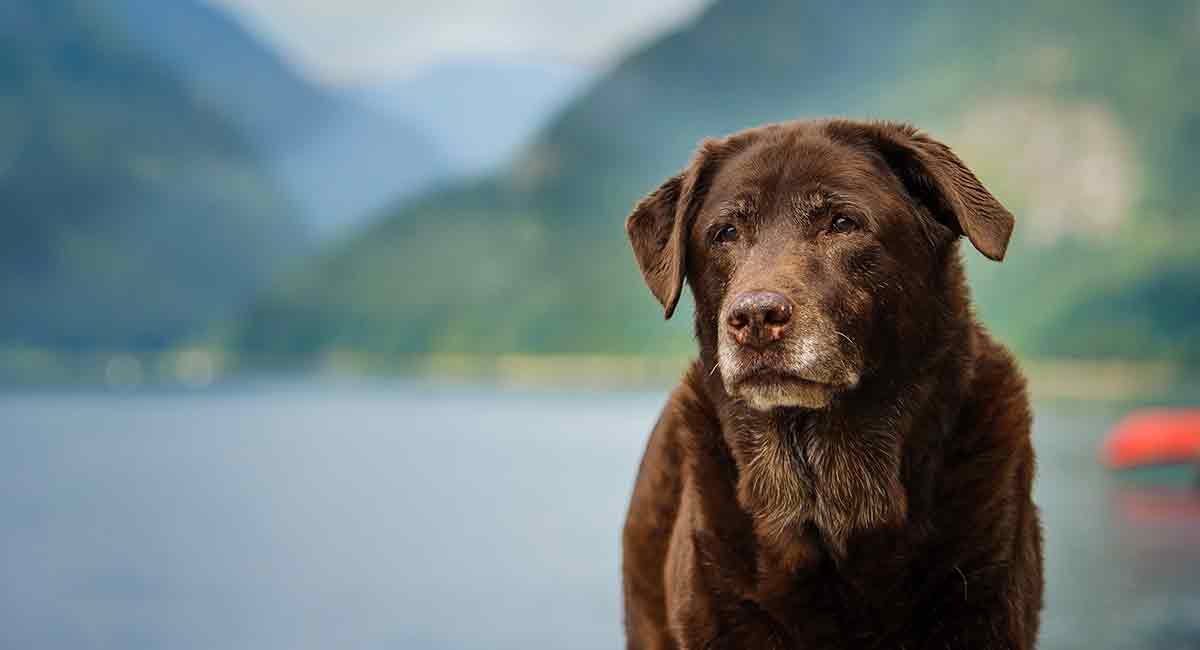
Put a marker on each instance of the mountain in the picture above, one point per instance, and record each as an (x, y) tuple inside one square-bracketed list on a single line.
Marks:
[(131, 213), (479, 112), (339, 158), (1082, 117)]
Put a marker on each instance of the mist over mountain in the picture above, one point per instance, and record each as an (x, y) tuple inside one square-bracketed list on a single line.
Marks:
[(478, 112), (132, 213), (339, 158)]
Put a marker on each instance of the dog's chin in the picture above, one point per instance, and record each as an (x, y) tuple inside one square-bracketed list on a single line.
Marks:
[(783, 392), (796, 374)]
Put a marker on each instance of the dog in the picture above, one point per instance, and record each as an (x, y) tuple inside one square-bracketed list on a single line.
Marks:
[(847, 464)]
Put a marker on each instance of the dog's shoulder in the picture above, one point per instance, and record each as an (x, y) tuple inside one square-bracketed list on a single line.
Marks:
[(655, 507), (688, 416), (989, 459), (991, 537), (997, 407)]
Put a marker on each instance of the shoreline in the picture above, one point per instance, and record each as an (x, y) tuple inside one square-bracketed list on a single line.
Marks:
[(199, 367)]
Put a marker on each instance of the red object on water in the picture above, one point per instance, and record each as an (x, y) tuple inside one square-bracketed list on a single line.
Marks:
[(1154, 437)]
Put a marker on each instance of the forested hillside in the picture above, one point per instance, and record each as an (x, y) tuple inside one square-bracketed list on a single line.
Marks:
[(131, 212)]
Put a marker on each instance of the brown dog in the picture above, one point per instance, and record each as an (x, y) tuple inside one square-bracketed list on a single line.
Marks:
[(848, 463)]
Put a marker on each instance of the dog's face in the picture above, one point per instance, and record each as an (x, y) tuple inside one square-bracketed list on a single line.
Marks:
[(815, 251), (790, 256)]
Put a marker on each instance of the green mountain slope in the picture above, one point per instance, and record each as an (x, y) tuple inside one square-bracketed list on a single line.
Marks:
[(1082, 117), (130, 212)]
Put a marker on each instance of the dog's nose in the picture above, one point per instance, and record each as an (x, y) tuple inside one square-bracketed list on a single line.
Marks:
[(757, 318)]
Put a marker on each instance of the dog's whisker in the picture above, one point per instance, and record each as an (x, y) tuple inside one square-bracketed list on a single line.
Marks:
[(716, 365), (844, 336)]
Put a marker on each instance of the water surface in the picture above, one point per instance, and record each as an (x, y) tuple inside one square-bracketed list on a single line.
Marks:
[(403, 516)]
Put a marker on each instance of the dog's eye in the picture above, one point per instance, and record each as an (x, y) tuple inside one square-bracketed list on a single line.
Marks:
[(842, 223), (726, 234)]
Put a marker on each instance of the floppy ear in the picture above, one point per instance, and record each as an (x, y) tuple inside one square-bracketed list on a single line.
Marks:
[(936, 177), (658, 228)]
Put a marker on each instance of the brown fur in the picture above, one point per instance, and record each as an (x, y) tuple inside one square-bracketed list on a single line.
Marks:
[(881, 496)]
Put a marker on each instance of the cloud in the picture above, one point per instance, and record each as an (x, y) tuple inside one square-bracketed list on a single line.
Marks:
[(347, 41)]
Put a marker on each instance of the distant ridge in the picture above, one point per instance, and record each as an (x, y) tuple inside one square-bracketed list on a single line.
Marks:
[(479, 112), (342, 160)]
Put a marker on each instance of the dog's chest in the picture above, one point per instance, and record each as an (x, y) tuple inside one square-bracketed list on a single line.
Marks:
[(864, 600), (808, 481), (820, 514)]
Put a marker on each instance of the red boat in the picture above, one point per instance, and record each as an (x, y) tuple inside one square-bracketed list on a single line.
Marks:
[(1154, 437)]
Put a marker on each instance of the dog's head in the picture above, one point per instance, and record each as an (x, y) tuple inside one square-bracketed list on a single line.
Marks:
[(816, 251)]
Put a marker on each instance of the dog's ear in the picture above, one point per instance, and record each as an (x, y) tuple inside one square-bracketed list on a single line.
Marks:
[(936, 177), (658, 227)]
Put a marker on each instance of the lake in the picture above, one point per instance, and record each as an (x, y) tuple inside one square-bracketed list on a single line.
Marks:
[(322, 515)]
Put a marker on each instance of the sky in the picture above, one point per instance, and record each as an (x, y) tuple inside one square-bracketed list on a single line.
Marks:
[(348, 42)]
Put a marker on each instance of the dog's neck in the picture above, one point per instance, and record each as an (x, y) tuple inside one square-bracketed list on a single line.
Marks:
[(811, 479)]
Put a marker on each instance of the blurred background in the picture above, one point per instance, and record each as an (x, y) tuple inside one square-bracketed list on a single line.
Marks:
[(319, 327)]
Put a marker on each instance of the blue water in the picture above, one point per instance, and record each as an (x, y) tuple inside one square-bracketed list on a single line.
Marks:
[(404, 516)]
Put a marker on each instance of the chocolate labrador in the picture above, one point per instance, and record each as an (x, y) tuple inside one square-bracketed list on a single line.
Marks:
[(848, 463)]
